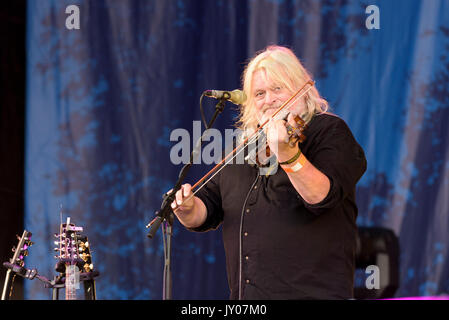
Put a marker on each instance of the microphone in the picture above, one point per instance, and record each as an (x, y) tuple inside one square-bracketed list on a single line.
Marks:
[(236, 96)]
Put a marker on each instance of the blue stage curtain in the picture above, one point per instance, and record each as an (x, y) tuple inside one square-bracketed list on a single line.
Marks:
[(102, 101)]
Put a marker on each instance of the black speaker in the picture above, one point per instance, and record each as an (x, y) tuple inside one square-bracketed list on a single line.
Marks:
[(379, 248)]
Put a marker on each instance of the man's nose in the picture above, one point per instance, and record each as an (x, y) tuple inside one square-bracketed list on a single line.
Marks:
[(270, 98)]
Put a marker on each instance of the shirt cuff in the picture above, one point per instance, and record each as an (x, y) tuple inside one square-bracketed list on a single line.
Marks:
[(331, 200)]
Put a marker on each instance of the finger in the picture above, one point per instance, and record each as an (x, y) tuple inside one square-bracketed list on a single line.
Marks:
[(280, 128), (187, 189), (291, 119), (179, 197)]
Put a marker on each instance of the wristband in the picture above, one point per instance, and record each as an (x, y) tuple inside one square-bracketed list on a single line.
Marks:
[(295, 157), (297, 166)]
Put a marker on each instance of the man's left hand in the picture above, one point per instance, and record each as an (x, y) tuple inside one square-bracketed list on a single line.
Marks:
[(277, 139)]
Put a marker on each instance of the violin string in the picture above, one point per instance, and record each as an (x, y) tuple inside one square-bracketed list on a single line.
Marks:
[(246, 142)]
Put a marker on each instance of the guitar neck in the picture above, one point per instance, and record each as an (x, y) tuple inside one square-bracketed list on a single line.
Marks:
[(70, 282)]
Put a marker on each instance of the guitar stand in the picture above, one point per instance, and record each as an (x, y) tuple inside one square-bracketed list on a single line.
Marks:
[(88, 279)]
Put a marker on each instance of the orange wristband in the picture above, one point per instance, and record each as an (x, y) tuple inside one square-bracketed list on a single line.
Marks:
[(295, 166)]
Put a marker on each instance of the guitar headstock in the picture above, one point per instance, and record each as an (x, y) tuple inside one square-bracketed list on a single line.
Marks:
[(85, 253), (68, 246), (21, 250)]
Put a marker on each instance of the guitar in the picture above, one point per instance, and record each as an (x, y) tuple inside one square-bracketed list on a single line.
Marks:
[(69, 259), (17, 262)]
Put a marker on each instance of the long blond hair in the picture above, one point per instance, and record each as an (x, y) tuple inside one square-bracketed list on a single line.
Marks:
[(282, 67)]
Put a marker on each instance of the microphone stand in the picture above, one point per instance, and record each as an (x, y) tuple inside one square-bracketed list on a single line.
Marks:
[(166, 215)]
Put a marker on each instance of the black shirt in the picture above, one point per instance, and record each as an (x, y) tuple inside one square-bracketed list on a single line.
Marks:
[(285, 247)]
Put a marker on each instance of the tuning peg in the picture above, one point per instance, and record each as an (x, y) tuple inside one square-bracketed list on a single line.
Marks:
[(56, 235), (84, 256), (88, 267), (13, 249), (56, 243), (29, 243), (18, 237), (25, 253)]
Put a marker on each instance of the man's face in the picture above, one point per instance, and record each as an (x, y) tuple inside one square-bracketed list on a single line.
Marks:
[(268, 96)]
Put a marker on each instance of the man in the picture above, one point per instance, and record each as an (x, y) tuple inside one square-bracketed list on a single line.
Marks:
[(292, 234)]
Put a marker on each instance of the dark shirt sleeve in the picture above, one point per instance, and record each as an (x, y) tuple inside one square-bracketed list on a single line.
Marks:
[(210, 195), (337, 154)]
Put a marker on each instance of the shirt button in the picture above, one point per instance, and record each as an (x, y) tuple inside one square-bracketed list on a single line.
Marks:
[(255, 187), (247, 210), (246, 257), (247, 281), (246, 234)]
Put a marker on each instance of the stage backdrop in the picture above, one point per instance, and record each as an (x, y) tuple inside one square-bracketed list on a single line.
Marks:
[(102, 101)]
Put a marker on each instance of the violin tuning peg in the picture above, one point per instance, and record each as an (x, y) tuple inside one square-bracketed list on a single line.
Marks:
[(13, 249)]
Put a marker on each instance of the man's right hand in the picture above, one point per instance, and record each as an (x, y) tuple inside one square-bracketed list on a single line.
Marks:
[(189, 210), (184, 202)]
